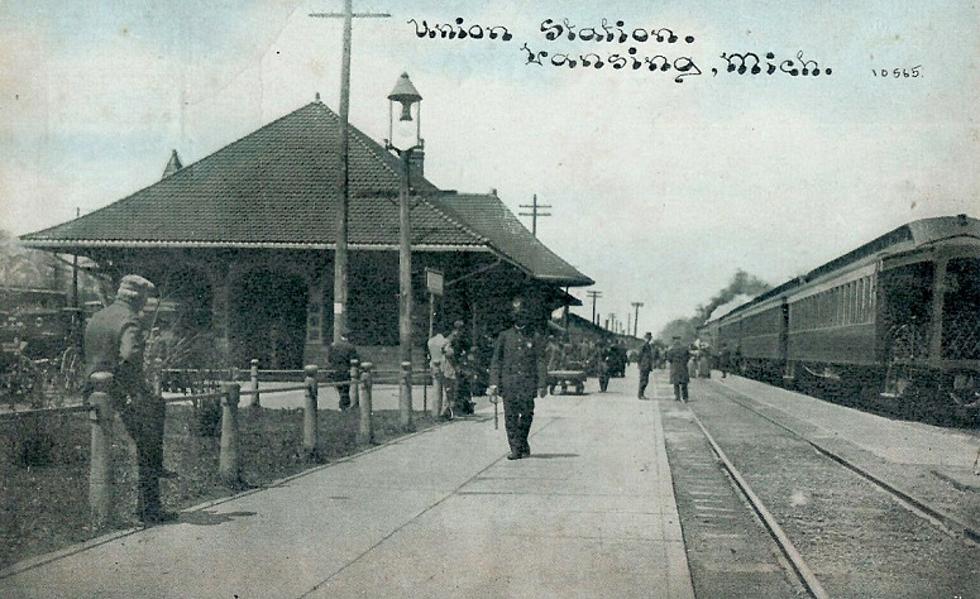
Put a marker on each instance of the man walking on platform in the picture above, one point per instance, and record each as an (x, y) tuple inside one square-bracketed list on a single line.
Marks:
[(518, 370), (678, 356), (645, 363), (115, 342), (339, 359)]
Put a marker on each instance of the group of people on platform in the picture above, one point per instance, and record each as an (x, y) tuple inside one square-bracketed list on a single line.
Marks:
[(458, 370), (684, 361)]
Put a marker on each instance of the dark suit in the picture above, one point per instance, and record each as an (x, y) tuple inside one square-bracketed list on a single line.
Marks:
[(678, 356), (645, 363), (519, 370), (339, 359), (114, 343)]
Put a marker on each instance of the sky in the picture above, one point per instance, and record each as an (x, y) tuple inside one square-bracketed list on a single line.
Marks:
[(660, 190)]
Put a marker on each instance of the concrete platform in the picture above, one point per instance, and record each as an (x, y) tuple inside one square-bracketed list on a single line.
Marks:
[(438, 514)]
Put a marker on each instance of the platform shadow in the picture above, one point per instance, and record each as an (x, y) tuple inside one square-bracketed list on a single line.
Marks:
[(205, 518), (551, 456)]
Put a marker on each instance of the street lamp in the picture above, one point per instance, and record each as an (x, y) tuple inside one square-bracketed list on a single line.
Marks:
[(405, 94)]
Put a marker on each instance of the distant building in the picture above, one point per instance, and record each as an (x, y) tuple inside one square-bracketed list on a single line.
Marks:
[(244, 240)]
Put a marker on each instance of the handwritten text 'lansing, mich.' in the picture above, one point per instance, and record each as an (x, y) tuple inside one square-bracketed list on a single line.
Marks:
[(616, 34)]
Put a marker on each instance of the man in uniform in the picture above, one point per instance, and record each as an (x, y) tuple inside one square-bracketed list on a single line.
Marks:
[(518, 370), (678, 356), (645, 364), (339, 358), (114, 342)]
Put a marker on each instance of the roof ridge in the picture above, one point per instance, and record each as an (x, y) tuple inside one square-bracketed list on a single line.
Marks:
[(180, 173)]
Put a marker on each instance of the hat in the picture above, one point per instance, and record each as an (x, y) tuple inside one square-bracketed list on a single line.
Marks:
[(133, 286), (458, 324), (676, 337)]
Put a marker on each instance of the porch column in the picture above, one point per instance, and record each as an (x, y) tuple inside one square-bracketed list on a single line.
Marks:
[(221, 277), (314, 351)]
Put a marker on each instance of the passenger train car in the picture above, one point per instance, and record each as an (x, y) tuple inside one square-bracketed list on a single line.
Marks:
[(897, 319)]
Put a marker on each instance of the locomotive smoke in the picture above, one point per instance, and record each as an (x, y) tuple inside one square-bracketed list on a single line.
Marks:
[(742, 283)]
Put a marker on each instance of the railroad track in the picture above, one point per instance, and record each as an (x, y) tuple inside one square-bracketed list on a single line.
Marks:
[(935, 516), (798, 566)]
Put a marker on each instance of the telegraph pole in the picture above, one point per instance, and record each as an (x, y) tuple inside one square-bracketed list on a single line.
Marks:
[(636, 318), (535, 212), (340, 254), (593, 295)]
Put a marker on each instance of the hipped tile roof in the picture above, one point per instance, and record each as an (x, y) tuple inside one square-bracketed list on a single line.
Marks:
[(279, 187)]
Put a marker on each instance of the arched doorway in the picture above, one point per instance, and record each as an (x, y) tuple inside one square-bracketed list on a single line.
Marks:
[(268, 319)]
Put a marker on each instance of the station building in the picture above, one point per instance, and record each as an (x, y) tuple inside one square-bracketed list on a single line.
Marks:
[(244, 241)]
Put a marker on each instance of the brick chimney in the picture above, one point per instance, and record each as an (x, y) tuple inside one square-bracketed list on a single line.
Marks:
[(416, 163)]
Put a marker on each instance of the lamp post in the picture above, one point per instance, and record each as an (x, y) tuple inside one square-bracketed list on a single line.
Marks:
[(405, 94)]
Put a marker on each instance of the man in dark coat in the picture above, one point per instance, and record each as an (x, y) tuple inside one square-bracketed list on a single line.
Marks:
[(518, 371), (114, 342), (724, 359), (645, 364), (678, 356), (338, 359)]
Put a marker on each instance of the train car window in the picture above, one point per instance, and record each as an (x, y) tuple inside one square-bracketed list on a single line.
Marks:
[(961, 306)]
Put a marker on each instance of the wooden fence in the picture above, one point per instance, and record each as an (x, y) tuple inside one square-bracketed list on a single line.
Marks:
[(102, 469)]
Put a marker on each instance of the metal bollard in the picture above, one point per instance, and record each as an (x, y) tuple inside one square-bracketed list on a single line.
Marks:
[(405, 396), (355, 377), (102, 479), (254, 376), (365, 433), (310, 413), (229, 466)]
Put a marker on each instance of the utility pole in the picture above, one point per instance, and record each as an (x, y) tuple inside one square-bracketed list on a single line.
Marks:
[(340, 254), (535, 212), (636, 318), (593, 295)]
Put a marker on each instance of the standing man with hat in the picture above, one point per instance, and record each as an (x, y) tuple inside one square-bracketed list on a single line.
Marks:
[(339, 358), (678, 356), (114, 342), (645, 363), (518, 371)]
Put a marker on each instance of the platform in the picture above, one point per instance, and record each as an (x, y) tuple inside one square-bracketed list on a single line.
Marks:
[(440, 513)]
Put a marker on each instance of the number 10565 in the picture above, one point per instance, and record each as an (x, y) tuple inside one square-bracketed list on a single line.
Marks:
[(899, 73)]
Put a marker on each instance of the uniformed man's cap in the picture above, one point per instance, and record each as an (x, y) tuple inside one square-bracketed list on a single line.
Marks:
[(133, 286), (676, 337)]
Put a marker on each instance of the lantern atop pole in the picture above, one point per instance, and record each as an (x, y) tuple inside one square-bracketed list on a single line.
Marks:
[(405, 94)]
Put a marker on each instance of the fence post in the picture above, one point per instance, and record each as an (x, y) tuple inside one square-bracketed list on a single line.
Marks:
[(310, 413), (101, 481), (229, 466), (365, 433), (254, 376), (405, 396), (355, 377)]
